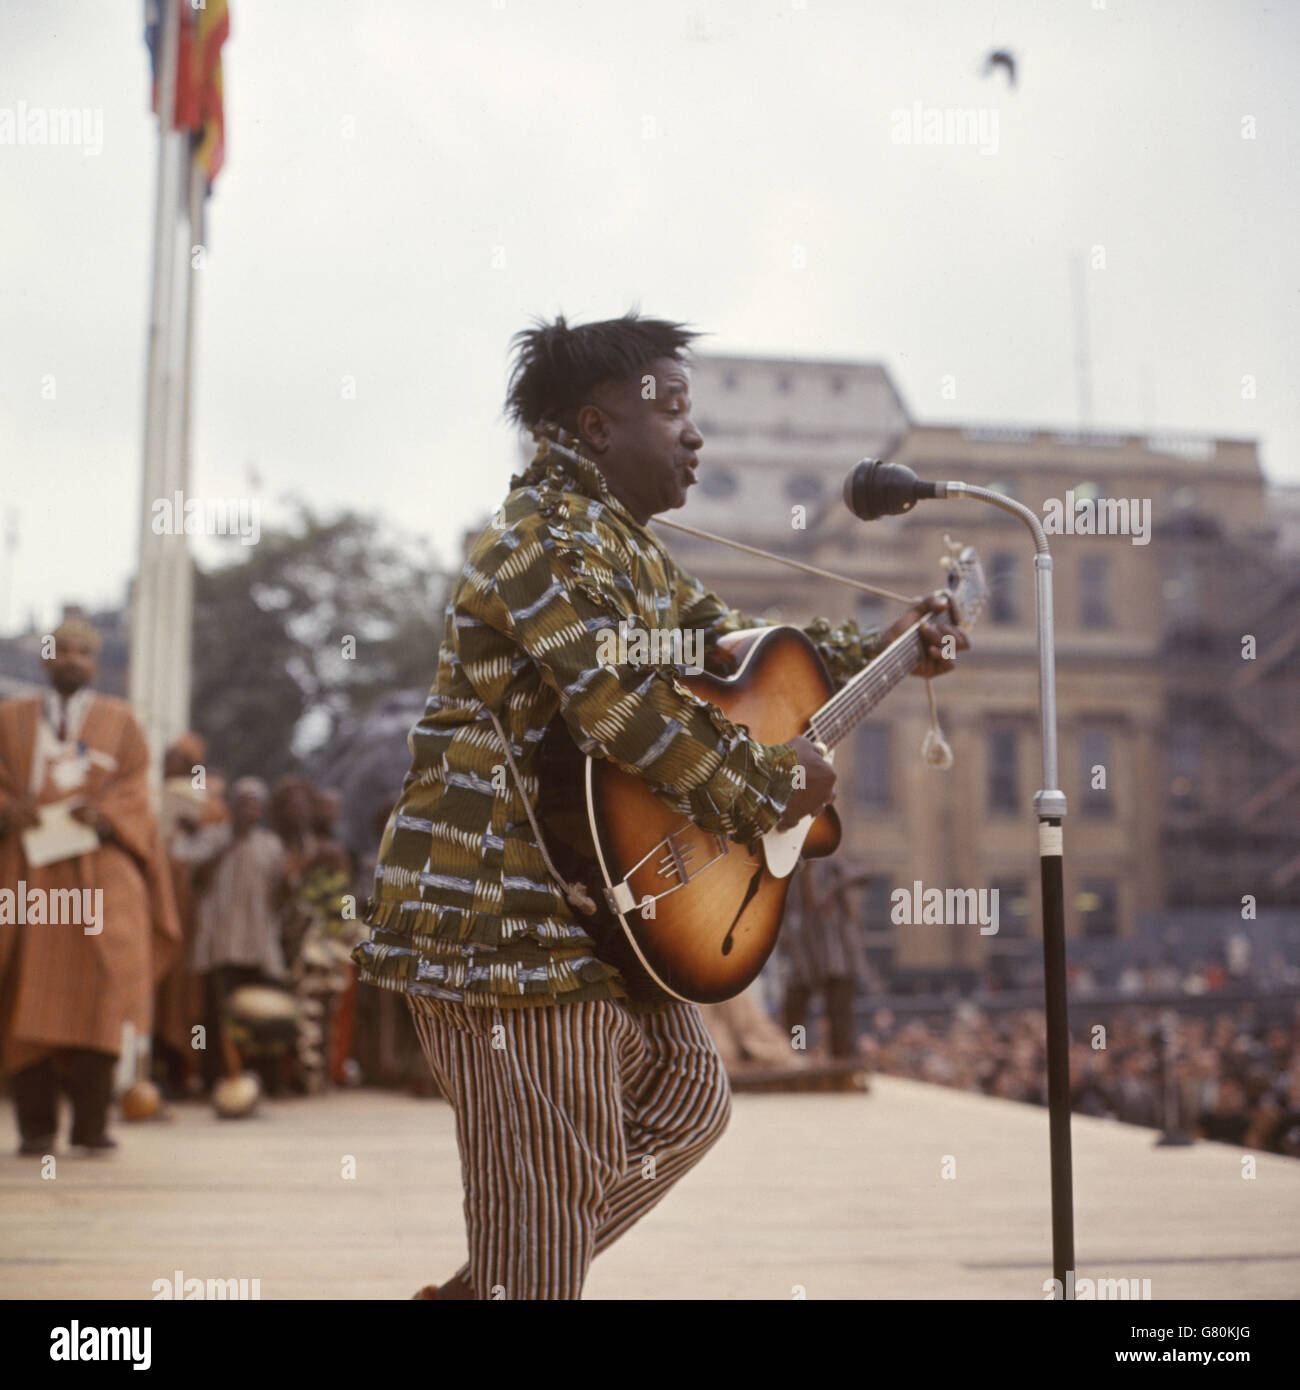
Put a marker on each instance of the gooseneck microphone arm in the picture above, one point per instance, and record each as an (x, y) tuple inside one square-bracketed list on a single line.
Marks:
[(1050, 802), (875, 489)]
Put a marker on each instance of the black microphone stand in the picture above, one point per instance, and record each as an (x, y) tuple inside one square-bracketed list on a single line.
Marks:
[(876, 489)]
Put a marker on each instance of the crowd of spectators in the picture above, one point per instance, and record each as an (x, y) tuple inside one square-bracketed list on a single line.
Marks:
[(1230, 967), (1224, 1076)]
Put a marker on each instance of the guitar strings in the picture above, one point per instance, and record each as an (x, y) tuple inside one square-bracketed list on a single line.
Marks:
[(845, 709), (876, 682)]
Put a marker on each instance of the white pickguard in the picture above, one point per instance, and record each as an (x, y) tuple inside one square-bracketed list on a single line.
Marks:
[(781, 847)]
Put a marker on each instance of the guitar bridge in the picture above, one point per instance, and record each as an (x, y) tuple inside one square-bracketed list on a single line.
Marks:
[(676, 854)]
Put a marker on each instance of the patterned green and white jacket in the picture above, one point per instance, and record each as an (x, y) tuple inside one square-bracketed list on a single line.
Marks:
[(463, 907)]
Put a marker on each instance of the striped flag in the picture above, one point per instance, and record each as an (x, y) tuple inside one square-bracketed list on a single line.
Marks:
[(199, 97)]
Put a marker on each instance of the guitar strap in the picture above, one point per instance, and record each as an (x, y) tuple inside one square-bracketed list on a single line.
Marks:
[(793, 564), (570, 853), (560, 441), (576, 892)]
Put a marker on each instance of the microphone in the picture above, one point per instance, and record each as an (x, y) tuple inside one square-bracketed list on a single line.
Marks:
[(875, 489)]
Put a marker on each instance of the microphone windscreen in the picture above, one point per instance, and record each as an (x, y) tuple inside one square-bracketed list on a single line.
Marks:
[(875, 489)]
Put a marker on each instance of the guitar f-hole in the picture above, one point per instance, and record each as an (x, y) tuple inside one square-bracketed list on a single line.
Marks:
[(755, 879)]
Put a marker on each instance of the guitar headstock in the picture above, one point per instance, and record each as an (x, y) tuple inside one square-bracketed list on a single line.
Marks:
[(968, 590)]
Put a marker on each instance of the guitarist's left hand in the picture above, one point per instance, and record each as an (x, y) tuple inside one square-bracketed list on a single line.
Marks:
[(933, 663)]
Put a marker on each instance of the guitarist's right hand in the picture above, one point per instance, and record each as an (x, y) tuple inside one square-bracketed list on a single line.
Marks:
[(818, 790)]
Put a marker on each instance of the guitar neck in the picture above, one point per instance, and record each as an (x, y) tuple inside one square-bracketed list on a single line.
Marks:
[(849, 706)]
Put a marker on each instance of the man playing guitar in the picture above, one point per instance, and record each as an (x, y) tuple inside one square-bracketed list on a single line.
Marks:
[(581, 1092)]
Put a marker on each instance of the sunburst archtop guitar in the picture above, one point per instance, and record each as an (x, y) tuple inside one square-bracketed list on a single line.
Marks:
[(700, 912)]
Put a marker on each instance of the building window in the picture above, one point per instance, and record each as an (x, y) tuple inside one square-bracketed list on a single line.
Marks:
[(879, 903), (1004, 594), (1183, 597), (1184, 754), (1014, 908), (717, 482), (1095, 802), (875, 773), (806, 487), (1094, 601), (1183, 499), (1097, 903), (1004, 770), (877, 925)]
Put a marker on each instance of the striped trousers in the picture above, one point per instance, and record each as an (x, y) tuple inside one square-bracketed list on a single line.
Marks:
[(573, 1120)]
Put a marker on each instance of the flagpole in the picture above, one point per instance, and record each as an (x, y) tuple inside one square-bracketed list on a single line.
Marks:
[(182, 576), (149, 632), (170, 636)]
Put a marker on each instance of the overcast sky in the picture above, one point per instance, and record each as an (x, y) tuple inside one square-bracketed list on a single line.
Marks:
[(408, 182)]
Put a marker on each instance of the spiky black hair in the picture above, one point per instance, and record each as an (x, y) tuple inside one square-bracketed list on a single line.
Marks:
[(556, 367)]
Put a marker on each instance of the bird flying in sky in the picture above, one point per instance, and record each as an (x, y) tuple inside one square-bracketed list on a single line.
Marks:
[(1002, 58)]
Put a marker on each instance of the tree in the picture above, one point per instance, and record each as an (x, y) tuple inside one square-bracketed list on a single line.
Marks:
[(316, 624)]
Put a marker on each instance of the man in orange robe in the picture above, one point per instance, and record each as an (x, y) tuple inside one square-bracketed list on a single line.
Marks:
[(66, 988)]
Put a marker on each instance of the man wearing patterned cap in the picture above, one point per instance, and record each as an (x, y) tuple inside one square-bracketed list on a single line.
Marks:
[(76, 830)]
